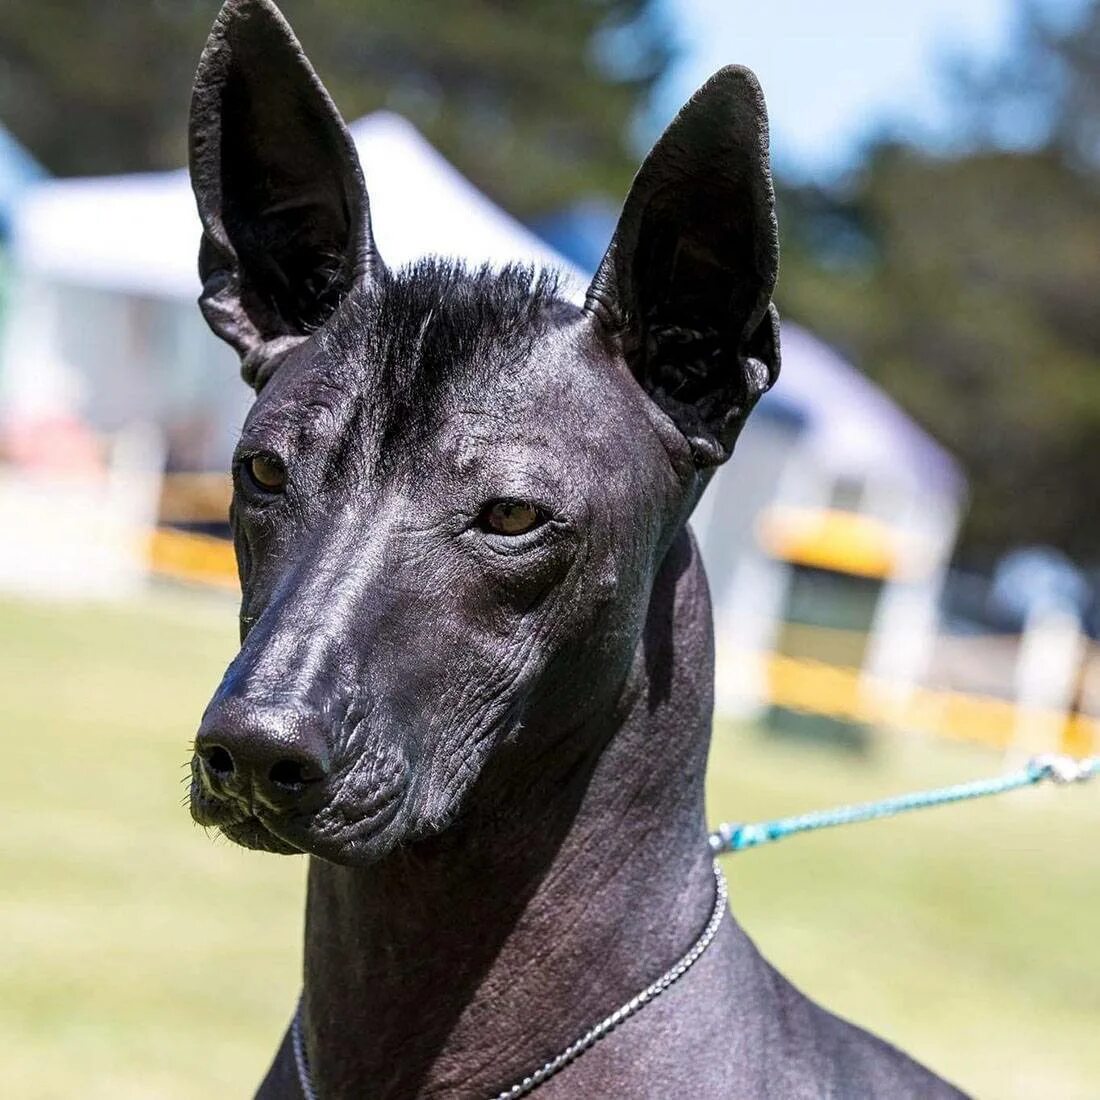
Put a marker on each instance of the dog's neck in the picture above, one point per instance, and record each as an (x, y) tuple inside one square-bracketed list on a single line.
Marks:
[(458, 966)]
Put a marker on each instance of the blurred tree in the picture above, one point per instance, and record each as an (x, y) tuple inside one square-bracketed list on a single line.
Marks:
[(968, 285), (1045, 91), (532, 99)]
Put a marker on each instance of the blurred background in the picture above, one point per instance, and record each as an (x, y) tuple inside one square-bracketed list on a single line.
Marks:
[(904, 553)]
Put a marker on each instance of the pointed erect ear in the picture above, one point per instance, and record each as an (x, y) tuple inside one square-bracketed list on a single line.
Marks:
[(286, 222), (686, 284)]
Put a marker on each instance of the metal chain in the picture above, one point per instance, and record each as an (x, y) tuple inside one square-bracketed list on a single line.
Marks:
[(592, 1036), (301, 1062), (655, 989)]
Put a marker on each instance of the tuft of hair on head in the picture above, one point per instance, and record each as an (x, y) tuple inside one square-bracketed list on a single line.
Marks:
[(473, 303), (438, 328)]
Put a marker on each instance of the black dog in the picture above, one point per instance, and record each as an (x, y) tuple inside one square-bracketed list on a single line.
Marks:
[(475, 675)]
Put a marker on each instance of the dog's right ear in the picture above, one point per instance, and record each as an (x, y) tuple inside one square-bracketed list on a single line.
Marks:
[(686, 285), (285, 216)]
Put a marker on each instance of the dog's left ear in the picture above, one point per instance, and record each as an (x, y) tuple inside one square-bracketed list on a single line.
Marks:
[(285, 216), (686, 284)]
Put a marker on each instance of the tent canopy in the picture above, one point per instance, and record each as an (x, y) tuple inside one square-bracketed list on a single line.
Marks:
[(138, 235), (851, 426)]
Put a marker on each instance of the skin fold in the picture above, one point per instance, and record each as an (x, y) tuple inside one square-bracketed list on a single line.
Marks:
[(475, 678)]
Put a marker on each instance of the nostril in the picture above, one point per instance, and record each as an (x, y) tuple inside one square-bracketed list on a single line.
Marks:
[(289, 774), (218, 761)]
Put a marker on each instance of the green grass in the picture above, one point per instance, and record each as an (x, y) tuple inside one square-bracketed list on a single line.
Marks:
[(967, 935), (138, 958)]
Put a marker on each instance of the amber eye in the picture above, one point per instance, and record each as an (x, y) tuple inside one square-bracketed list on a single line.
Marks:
[(267, 472), (511, 517)]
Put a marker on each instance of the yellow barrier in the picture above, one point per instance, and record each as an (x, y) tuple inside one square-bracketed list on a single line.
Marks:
[(195, 498), (844, 693), (198, 559), (839, 541)]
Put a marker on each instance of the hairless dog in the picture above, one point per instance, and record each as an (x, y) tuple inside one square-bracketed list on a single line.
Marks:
[(475, 676)]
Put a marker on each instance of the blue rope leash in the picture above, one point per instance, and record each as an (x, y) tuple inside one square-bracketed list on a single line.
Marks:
[(730, 837)]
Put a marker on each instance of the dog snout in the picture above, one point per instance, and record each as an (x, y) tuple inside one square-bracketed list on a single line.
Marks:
[(265, 757)]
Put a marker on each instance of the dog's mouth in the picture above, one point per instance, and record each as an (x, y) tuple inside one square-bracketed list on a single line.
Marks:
[(332, 836), (242, 824), (355, 831), (251, 832)]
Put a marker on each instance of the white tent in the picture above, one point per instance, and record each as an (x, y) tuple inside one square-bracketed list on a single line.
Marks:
[(104, 325), (139, 233)]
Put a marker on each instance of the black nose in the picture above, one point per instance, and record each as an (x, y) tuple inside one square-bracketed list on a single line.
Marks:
[(272, 756)]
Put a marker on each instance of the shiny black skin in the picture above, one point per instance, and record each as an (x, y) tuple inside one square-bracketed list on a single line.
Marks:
[(490, 743)]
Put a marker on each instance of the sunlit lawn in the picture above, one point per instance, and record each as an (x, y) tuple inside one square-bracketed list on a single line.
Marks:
[(138, 958)]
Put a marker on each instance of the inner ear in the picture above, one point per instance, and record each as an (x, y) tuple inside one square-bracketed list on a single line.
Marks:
[(287, 205), (691, 306), (687, 280)]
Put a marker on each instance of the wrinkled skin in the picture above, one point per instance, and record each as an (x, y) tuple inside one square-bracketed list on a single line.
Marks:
[(474, 685), (411, 642)]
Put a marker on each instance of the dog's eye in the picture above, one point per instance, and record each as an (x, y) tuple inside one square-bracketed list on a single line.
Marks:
[(511, 517), (268, 473)]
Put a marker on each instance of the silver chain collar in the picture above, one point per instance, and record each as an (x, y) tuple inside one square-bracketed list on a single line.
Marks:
[(592, 1036)]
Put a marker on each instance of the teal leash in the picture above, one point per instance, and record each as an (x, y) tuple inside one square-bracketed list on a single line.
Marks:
[(1052, 767)]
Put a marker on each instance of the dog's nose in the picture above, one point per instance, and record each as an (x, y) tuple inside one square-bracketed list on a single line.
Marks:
[(272, 756)]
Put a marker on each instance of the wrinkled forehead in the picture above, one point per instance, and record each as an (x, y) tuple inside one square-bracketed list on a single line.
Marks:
[(466, 365)]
